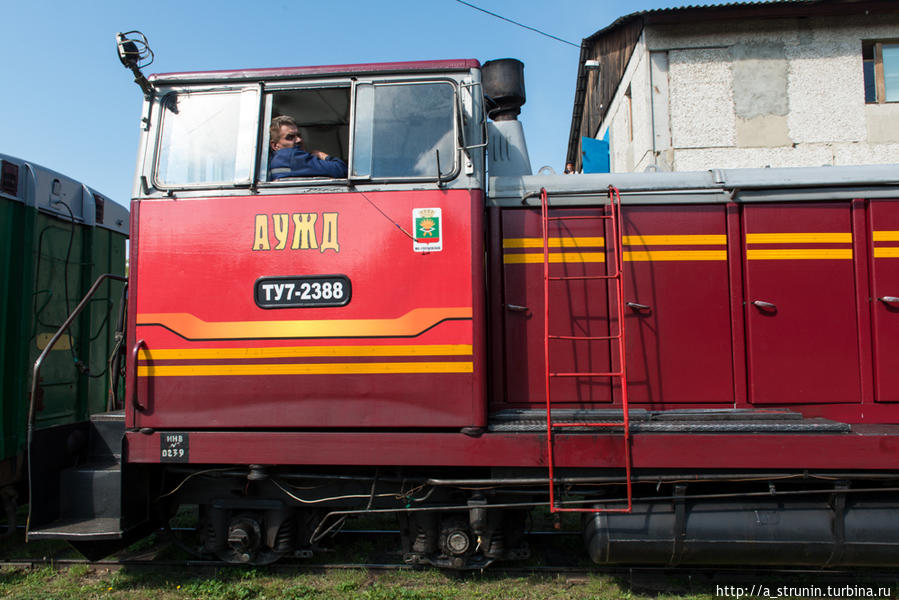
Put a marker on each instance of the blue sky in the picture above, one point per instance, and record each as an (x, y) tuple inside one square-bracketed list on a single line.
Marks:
[(68, 104)]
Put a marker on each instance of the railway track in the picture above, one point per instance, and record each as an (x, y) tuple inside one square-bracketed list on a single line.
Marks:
[(553, 556)]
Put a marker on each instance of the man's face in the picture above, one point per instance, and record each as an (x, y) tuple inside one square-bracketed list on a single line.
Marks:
[(289, 138)]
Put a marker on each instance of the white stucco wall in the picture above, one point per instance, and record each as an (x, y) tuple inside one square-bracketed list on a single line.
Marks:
[(701, 101), (786, 92), (632, 153)]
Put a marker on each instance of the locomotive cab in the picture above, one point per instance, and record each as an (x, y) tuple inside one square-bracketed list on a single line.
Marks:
[(311, 301)]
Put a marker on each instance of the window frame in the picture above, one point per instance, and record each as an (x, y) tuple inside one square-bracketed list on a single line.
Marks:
[(457, 125), (262, 115), (872, 51), (160, 129), (262, 158)]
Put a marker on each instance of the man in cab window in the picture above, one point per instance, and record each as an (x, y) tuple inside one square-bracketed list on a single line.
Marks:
[(290, 159)]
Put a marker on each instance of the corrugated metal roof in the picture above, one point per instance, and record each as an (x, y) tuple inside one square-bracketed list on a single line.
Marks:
[(649, 16)]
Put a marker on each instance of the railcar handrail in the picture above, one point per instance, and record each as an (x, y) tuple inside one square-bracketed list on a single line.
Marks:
[(35, 374)]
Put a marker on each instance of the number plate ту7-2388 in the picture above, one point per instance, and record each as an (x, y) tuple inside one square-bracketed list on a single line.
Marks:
[(302, 291)]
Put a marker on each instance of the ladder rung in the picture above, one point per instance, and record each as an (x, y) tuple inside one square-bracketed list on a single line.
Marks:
[(608, 338), (579, 218), (582, 277), (616, 424), (616, 374)]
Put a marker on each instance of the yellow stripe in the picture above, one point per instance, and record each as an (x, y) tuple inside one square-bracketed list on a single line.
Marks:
[(629, 256), (305, 369), (663, 255), (798, 238), (304, 351), (885, 236), (627, 240), (554, 242), (674, 240), (795, 254), (886, 252), (555, 257)]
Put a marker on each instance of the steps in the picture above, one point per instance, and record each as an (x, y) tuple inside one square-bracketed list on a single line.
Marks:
[(89, 503)]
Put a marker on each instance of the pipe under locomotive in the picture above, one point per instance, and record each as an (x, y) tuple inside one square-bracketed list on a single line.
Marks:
[(442, 336)]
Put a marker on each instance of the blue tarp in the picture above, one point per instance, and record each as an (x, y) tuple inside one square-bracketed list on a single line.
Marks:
[(595, 154)]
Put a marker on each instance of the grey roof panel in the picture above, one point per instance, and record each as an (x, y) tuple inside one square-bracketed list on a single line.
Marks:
[(717, 185)]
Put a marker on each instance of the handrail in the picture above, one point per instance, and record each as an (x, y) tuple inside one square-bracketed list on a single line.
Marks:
[(35, 375), (116, 353), (133, 365)]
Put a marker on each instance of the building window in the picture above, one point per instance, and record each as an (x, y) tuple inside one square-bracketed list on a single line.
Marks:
[(881, 69)]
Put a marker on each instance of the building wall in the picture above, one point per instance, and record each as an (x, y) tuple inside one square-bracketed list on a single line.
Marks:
[(779, 93)]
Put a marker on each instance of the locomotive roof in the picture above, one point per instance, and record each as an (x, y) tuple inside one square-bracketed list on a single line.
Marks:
[(714, 185), (316, 71)]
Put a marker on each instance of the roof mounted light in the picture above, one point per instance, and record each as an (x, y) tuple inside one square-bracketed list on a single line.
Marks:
[(135, 54)]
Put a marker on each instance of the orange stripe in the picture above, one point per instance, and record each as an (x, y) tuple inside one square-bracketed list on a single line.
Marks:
[(412, 323), (304, 369), (303, 352)]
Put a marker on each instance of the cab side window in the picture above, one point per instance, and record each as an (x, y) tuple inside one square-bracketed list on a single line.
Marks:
[(207, 138), (403, 130), (322, 116)]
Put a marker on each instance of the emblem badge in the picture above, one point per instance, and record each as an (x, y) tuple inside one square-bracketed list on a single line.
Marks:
[(428, 225)]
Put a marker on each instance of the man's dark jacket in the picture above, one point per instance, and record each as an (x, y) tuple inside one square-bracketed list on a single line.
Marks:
[(296, 162)]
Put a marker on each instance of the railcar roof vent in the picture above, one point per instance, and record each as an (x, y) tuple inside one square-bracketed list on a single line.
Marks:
[(9, 180)]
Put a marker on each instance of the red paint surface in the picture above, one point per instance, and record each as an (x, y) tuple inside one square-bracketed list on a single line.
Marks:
[(875, 449), (805, 351), (686, 352), (885, 315), (196, 256), (577, 308), (685, 335)]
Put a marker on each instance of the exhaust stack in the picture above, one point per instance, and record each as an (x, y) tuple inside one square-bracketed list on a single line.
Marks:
[(503, 82)]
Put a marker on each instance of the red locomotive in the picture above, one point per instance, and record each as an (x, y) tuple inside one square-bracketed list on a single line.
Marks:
[(699, 362)]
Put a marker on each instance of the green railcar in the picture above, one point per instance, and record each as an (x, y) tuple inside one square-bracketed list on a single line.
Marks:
[(56, 237)]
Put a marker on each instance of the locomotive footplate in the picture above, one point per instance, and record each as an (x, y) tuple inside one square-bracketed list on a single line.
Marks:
[(670, 421), (859, 446)]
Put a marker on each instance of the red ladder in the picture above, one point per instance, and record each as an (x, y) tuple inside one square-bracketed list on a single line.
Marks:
[(612, 213)]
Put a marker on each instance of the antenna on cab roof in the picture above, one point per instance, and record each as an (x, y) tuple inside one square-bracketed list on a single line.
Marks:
[(135, 54)]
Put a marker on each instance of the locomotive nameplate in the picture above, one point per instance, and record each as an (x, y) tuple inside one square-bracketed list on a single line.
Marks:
[(174, 447), (303, 291)]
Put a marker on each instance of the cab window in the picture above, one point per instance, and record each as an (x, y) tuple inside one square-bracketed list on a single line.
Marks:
[(403, 130), (323, 119), (207, 138)]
